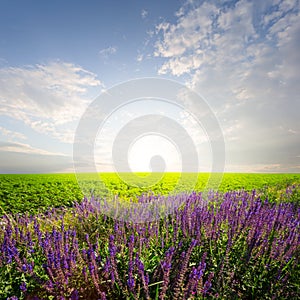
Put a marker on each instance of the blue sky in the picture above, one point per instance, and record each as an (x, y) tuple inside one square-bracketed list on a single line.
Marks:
[(241, 56)]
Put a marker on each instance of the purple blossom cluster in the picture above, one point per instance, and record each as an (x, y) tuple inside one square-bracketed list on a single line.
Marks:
[(221, 245)]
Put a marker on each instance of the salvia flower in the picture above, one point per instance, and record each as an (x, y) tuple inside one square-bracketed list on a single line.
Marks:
[(23, 287)]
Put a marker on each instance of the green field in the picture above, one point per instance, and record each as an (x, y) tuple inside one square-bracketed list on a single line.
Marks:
[(33, 192), (239, 242)]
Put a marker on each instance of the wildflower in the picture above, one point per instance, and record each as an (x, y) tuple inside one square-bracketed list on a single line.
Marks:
[(23, 287), (130, 283)]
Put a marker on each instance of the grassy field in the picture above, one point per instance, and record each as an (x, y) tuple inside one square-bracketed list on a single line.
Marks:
[(240, 242), (20, 193)]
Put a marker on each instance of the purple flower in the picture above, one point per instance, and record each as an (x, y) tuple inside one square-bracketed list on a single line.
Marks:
[(23, 287), (24, 268), (131, 239), (130, 283), (75, 295), (208, 284)]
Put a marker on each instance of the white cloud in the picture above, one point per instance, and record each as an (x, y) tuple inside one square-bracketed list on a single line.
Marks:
[(25, 148), (144, 13), (23, 158), (243, 57), (12, 135), (140, 57), (292, 131), (181, 65), (190, 33), (106, 52), (194, 129), (46, 97), (233, 130)]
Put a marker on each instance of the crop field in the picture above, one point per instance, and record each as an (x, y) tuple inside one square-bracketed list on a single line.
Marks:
[(32, 193), (240, 240)]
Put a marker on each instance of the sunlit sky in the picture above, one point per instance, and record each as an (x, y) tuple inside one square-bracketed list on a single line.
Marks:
[(243, 57)]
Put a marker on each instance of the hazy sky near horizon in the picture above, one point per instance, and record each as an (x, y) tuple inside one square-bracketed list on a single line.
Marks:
[(242, 56)]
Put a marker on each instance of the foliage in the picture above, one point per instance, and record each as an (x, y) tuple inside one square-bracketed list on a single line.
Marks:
[(39, 192), (232, 245), (30, 193)]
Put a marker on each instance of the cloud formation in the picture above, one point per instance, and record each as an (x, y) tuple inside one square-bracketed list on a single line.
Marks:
[(106, 52), (12, 135), (46, 97), (144, 13), (243, 57), (25, 148), (23, 158)]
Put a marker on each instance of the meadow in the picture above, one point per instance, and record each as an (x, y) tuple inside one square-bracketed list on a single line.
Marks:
[(241, 241)]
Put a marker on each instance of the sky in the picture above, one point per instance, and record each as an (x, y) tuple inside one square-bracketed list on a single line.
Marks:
[(242, 57)]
